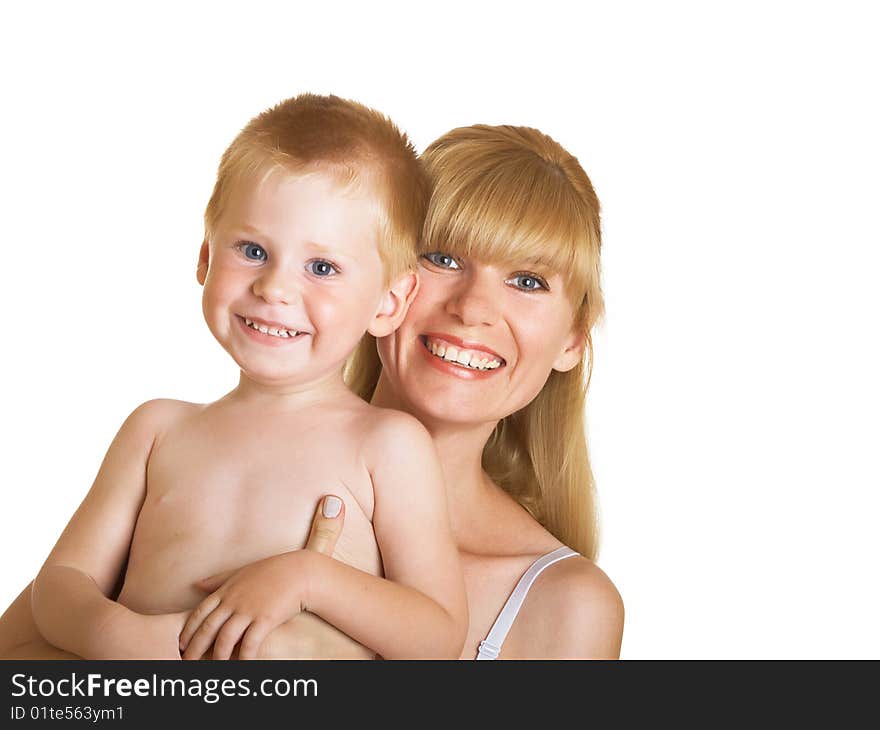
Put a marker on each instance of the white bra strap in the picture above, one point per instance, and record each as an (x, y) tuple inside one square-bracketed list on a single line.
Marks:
[(490, 647)]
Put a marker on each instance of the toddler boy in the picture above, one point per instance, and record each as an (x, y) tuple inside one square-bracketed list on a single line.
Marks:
[(310, 241)]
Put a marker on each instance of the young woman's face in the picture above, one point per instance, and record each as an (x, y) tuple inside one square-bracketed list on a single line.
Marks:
[(479, 341)]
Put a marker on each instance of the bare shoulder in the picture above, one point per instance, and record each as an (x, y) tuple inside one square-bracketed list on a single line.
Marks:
[(165, 408), (391, 432), (397, 450), (155, 416), (150, 420), (583, 606)]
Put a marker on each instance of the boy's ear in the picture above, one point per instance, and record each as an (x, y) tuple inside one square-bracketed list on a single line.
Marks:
[(394, 305), (572, 351), (202, 268)]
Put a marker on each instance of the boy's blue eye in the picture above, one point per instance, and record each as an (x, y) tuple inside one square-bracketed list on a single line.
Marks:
[(443, 260), (321, 268), (527, 282), (252, 251)]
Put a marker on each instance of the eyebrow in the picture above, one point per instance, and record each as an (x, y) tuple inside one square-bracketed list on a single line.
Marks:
[(249, 229), (318, 246), (325, 250), (537, 261)]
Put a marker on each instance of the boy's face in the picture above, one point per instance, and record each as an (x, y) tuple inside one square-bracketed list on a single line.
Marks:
[(292, 277)]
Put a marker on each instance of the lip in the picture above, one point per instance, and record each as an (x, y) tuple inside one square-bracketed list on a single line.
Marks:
[(448, 368), (266, 339), (463, 344)]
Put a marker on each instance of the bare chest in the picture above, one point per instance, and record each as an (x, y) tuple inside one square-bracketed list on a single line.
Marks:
[(220, 496), (489, 581)]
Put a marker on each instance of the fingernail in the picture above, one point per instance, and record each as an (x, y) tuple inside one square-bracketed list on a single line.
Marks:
[(332, 506)]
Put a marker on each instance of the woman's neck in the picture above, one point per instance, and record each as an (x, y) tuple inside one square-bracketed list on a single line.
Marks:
[(480, 512), (459, 446)]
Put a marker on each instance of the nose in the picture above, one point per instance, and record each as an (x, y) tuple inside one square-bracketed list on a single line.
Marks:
[(473, 301), (275, 285)]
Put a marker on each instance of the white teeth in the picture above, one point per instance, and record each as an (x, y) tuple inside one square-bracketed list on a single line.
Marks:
[(266, 330), (463, 358)]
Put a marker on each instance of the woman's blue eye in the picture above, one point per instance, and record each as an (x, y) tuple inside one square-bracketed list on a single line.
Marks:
[(253, 252), (527, 282), (322, 268), (443, 260)]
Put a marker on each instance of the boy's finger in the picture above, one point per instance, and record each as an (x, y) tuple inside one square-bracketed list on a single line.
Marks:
[(204, 636), (229, 635), (209, 585), (196, 617), (253, 639), (327, 525)]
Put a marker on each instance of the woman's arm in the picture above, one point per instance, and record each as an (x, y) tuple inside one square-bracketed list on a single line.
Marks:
[(575, 613)]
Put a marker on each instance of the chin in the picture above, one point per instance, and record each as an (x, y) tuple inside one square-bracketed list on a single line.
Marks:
[(267, 374), (447, 408)]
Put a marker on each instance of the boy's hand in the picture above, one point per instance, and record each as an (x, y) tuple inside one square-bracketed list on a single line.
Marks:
[(248, 603), (138, 636)]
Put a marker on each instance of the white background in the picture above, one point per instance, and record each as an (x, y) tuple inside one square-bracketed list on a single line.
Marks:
[(734, 406)]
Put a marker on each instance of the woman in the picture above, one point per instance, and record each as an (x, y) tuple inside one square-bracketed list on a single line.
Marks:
[(491, 358), (509, 275)]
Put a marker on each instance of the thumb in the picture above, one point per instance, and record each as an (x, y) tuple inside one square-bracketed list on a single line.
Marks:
[(327, 525), (209, 585)]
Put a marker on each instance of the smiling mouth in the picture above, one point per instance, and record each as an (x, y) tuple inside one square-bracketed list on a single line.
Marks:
[(273, 330), (463, 357)]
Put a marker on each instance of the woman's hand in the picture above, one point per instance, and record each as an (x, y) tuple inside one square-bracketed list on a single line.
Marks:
[(245, 605)]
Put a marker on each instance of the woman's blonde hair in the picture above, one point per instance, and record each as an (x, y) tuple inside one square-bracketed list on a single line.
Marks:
[(504, 194)]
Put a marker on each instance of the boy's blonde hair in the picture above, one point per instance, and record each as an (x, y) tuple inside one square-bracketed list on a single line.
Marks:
[(503, 194), (357, 145)]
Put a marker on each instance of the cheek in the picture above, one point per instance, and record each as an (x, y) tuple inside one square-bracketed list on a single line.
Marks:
[(540, 336), (429, 300), (222, 283), (537, 342), (323, 308), (212, 294), (339, 309)]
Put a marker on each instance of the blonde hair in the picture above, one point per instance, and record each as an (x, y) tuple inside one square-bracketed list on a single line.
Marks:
[(507, 193), (356, 144)]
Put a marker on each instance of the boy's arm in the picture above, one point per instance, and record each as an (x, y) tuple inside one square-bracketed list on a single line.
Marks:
[(70, 595), (418, 610), (421, 609), (19, 637)]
